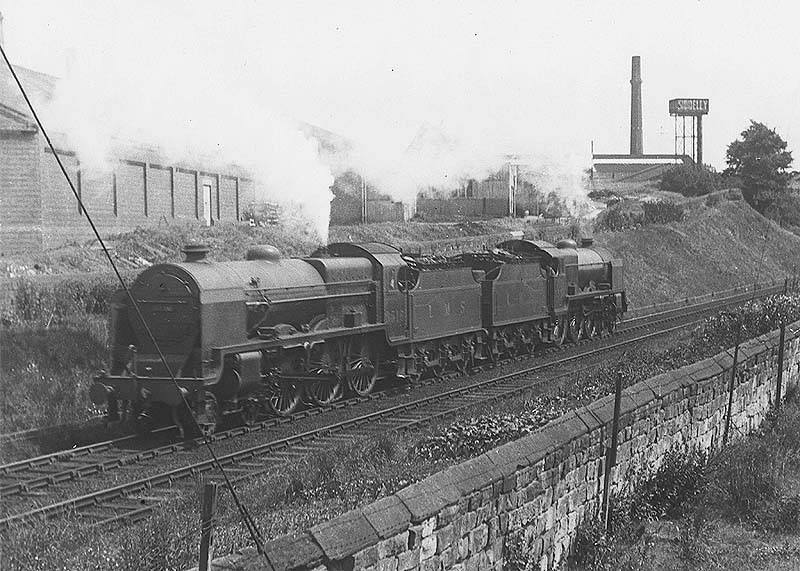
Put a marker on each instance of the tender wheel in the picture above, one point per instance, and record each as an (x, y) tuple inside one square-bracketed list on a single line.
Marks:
[(590, 327), (208, 416), (525, 341), (512, 348), (435, 371), (468, 355), (360, 368), (559, 333), (575, 327), (459, 363), (285, 396)]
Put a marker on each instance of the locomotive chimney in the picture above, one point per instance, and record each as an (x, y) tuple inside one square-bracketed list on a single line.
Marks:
[(195, 252), (636, 107)]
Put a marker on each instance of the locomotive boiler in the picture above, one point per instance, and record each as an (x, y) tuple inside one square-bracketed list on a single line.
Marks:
[(268, 334)]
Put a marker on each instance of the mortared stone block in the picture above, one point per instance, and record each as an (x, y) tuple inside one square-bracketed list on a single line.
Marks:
[(244, 562), (589, 419), (389, 516), (603, 409), (425, 499), (293, 551), (344, 535)]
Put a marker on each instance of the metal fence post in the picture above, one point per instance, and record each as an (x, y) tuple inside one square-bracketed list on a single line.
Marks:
[(779, 388), (611, 453), (206, 527)]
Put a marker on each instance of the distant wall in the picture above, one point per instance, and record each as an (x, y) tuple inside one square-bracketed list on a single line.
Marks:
[(540, 487), (20, 199), (347, 210), (38, 209), (452, 208)]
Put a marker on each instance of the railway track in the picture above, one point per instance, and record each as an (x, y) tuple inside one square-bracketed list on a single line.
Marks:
[(36, 480)]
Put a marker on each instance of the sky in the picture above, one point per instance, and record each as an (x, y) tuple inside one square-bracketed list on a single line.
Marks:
[(541, 78)]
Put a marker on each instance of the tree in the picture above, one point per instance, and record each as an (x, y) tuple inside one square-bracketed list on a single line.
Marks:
[(760, 160)]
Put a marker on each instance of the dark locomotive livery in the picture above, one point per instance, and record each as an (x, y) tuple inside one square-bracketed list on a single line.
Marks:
[(269, 333)]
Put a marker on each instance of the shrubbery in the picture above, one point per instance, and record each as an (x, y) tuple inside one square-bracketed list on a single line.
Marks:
[(49, 301), (627, 216), (681, 477), (661, 212), (745, 482), (690, 180)]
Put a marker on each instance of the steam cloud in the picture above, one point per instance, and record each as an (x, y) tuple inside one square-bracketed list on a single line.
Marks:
[(444, 158), (191, 118), (164, 92)]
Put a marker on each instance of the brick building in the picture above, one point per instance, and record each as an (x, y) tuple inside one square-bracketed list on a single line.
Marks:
[(141, 188)]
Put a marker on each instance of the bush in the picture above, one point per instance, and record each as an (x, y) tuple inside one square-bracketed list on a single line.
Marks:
[(52, 299), (46, 371), (754, 317), (679, 478), (690, 180), (661, 212), (620, 217), (628, 215), (789, 210)]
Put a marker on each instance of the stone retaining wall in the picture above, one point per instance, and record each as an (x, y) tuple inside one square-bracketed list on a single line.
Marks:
[(539, 488)]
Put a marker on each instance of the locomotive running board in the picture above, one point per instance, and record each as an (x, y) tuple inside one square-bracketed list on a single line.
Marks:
[(292, 341)]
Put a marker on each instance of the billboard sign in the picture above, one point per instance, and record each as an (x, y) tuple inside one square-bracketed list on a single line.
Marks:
[(688, 107)]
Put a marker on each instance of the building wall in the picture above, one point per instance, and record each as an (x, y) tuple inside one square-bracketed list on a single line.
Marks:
[(159, 192), (61, 220), (185, 197), (40, 211), (347, 210), (452, 208), (20, 201), (536, 491)]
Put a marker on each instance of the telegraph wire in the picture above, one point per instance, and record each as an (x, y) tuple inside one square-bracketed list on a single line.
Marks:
[(250, 523)]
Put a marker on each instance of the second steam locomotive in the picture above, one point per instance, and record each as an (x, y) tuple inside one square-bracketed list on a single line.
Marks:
[(269, 333)]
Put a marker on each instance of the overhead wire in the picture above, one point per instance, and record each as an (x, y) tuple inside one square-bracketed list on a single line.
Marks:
[(250, 523)]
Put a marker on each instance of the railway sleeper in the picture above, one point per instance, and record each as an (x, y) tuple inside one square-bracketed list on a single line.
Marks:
[(288, 455)]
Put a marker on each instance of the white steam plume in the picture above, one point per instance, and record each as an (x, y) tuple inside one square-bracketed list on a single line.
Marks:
[(445, 159), (192, 117)]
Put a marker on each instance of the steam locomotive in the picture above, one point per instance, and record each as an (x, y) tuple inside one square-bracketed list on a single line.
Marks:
[(269, 333)]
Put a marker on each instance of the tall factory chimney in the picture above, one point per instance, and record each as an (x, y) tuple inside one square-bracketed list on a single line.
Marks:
[(636, 107)]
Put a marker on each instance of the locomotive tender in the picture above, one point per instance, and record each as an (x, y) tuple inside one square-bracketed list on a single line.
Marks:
[(268, 333)]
